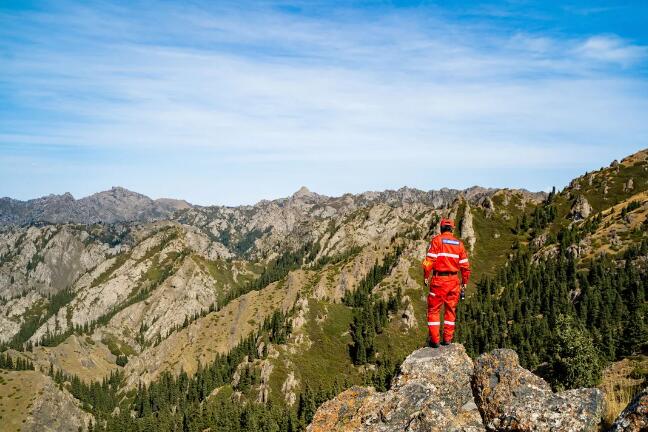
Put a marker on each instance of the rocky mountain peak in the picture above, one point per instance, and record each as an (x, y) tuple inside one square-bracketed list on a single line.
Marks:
[(119, 193), (122, 191), (303, 192)]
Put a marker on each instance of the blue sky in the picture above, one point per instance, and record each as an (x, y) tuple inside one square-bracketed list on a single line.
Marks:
[(233, 102)]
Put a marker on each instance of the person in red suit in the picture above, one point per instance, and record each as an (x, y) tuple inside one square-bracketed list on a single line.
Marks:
[(445, 257)]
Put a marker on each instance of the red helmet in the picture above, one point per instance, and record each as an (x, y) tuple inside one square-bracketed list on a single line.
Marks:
[(447, 222)]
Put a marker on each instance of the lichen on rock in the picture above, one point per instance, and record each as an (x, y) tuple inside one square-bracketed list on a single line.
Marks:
[(432, 393), (442, 390), (510, 398)]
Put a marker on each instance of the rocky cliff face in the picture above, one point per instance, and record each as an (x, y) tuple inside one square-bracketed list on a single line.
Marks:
[(36, 404), (442, 390), (48, 259)]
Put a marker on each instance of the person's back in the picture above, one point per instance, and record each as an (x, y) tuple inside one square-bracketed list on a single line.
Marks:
[(446, 256)]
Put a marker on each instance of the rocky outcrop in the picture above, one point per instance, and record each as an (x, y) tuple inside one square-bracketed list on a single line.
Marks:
[(581, 209), (467, 229), (442, 390), (635, 417), (13, 312), (265, 367), (432, 393), (289, 387), (408, 317), (187, 292), (510, 398), (38, 404), (49, 259), (488, 206), (56, 410)]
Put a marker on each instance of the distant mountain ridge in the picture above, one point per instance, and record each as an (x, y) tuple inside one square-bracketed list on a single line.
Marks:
[(115, 205), (122, 205)]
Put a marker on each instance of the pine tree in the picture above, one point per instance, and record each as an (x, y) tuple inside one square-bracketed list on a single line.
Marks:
[(575, 362)]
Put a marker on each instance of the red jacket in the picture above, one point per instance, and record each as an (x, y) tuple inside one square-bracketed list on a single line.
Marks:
[(446, 254)]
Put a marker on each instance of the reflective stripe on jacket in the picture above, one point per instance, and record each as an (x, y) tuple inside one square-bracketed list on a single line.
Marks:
[(447, 254)]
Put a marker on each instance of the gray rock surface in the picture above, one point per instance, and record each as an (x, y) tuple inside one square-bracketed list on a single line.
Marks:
[(581, 209), (47, 409), (634, 417), (432, 393), (441, 390), (467, 229), (510, 398)]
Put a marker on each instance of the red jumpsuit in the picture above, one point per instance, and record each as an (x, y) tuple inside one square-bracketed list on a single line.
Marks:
[(445, 257)]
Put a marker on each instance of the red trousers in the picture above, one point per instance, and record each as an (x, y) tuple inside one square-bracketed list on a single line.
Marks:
[(444, 290)]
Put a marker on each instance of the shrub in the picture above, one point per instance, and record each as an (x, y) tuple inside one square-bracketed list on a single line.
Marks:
[(575, 362)]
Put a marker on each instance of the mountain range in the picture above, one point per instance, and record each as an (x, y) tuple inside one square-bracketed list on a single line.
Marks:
[(115, 205), (127, 313)]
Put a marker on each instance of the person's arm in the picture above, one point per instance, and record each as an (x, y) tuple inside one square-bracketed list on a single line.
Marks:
[(428, 263), (464, 266)]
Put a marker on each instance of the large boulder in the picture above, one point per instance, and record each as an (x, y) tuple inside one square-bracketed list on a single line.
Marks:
[(510, 398), (581, 209), (432, 393), (440, 390), (635, 417)]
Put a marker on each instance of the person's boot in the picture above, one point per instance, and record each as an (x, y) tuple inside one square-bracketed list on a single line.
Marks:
[(446, 343), (431, 344)]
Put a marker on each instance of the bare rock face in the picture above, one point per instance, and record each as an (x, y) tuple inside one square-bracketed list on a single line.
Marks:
[(264, 386), (12, 314), (575, 184), (47, 409), (408, 317), (488, 205), (510, 398), (46, 259), (288, 388), (540, 241), (581, 209), (635, 417), (467, 229), (183, 294), (39, 405), (432, 393)]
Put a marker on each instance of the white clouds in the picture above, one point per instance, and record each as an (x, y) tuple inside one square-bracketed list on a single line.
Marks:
[(273, 87), (611, 49)]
